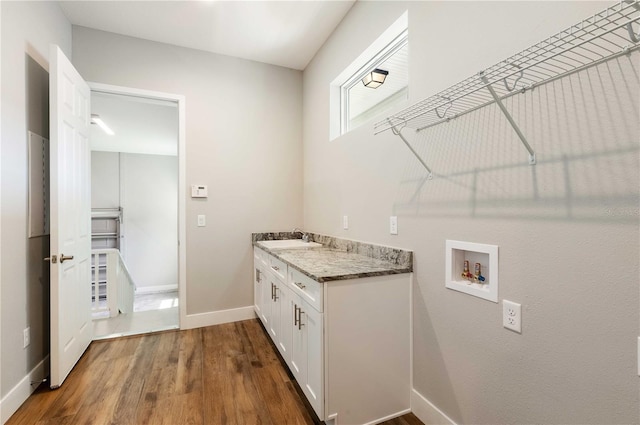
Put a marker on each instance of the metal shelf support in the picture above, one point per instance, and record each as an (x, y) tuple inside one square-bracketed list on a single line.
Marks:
[(532, 154), (398, 132)]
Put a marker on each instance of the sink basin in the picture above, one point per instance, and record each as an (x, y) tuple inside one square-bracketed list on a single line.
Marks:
[(288, 244)]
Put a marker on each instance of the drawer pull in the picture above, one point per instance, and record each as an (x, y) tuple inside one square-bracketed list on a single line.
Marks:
[(300, 325), (300, 285), (273, 287), (295, 315), (258, 278), (276, 268)]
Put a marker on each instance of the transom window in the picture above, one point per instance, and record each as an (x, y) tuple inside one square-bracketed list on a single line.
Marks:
[(360, 102)]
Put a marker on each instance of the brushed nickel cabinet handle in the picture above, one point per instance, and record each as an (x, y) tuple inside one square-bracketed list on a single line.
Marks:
[(300, 324), (276, 268), (300, 285), (295, 315)]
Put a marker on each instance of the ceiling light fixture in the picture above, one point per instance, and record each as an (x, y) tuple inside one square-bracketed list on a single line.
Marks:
[(95, 119), (375, 78)]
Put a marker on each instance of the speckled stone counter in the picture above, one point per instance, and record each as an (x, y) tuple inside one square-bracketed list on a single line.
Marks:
[(339, 259)]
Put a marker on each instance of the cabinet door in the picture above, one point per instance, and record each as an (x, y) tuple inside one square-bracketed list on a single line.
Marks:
[(267, 300), (313, 388), (286, 322), (258, 279), (315, 377), (274, 324), (298, 360)]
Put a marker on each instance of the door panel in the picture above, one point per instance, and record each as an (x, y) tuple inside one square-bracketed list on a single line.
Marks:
[(70, 200)]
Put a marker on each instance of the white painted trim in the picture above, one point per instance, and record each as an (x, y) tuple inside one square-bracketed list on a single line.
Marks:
[(23, 389), (427, 412), (389, 417), (155, 289), (182, 178), (200, 320), (1, 409)]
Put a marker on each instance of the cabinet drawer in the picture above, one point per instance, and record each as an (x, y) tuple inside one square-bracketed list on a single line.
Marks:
[(279, 268), (260, 255), (309, 289)]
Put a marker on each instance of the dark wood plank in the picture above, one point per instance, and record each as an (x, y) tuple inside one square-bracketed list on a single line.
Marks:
[(219, 375)]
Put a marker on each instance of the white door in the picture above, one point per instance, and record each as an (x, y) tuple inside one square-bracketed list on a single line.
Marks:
[(70, 157)]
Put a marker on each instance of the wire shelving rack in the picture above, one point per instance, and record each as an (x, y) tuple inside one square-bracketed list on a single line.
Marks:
[(606, 35)]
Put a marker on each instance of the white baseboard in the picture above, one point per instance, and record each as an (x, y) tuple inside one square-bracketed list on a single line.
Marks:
[(156, 289), (388, 418), (21, 392), (191, 321), (427, 412)]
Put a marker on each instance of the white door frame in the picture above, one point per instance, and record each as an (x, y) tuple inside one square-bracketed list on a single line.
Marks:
[(182, 203)]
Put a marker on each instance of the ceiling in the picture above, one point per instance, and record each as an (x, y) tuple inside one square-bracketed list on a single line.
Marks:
[(284, 33), (140, 125)]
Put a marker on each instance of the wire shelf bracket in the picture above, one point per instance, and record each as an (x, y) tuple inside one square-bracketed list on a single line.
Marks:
[(523, 139), (398, 132), (599, 38)]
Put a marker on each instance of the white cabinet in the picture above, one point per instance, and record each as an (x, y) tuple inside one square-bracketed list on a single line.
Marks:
[(298, 362), (258, 281), (307, 351), (278, 325), (346, 342)]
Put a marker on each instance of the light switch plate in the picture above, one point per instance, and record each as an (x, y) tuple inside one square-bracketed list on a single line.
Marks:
[(393, 225), (202, 220)]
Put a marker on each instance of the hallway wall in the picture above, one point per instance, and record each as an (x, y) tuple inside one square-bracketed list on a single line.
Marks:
[(146, 187)]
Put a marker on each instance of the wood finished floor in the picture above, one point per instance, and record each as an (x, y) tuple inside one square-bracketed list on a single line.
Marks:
[(225, 374)]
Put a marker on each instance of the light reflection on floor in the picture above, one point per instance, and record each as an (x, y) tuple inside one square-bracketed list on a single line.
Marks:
[(151, 313)]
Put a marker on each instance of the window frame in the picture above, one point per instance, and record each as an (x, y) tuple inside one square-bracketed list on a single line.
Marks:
[(399, 42)]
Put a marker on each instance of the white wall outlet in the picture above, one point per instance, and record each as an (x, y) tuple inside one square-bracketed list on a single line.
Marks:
[(345, 222), (26, 334), (202, 220), (393, 225), (512, 316)]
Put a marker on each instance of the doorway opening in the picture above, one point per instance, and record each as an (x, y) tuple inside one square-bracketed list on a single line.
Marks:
[(136, 171)]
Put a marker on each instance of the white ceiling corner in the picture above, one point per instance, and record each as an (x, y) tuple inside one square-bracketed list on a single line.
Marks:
[(283, 33)]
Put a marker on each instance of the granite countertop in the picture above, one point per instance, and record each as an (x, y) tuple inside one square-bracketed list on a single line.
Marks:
[(342, 259)]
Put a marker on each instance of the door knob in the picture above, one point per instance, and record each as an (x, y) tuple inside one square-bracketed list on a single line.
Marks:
[(53, 259), (64, 258)]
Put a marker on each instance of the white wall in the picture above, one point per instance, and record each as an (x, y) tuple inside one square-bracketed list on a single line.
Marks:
[(243, 139), (567, 229), (105, 179), (150, 202), (27, 30), (146, 186)]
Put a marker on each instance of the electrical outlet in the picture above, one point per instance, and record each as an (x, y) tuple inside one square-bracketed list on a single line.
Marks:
[(393, 225), (512, 316), (26, 335), (345, 222), (202, 220)]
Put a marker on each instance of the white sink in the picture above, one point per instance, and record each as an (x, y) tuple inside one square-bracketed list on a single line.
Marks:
[(288, 244)]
